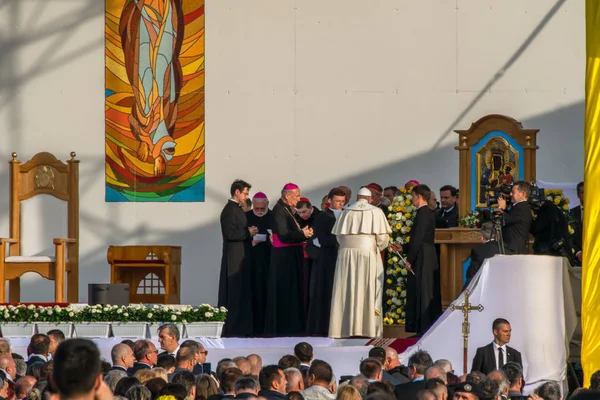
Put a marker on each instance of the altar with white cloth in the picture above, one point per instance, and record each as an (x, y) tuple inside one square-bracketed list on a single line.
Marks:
[(534, 294)]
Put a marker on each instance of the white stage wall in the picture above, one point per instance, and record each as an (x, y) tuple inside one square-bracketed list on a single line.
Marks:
[(319, 93), (534, 294)]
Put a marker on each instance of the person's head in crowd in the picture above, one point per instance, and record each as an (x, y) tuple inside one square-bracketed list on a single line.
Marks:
[(304, 351), (168, 337), (325, 202), (122, 355), (385, 387), (247, 384), (391, 359), (549, 391), (222, 365), (166, 361), (206, 386), (448, 196), (475, 377), (228, 379), (419, 361), (5, 346), (272, 378), (56, 337), (155, 386), (34, 370), (113, 377), (125, 384), (144, 375), (379, 354), (502, 331), (347, 192), (185, 359), (499, 377), (6, 386), (255, 363), (467, 391), (188, 380), (48, 367), (320, 374), (39, 345), (295, 396), (289, 361), (159, 373), (361, 383), (23, 386), (176, 390), (438, 387), (390, 192), (194, 347), (489, 389), (595, 381), (8, 364), (77, 369), (138, 392), (436, 372), (348, 392), (372, 369), (295, 382), (426, 394), (420, 195), (410, 184), (380, 396), (446, 365), (243, 364), (128, 342), (514, 374), (145, 352)]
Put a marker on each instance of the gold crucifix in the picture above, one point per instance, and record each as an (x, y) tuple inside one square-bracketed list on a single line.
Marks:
[(466, 308)]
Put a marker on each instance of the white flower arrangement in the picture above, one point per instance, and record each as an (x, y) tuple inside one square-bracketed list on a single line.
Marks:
[(401, 215)]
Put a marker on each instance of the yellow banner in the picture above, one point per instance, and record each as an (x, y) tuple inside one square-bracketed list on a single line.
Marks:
[(590, 303)]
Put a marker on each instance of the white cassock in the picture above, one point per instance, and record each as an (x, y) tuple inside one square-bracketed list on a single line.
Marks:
[(362, 232)]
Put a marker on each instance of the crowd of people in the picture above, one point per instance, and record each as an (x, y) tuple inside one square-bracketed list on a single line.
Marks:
[(55, 368), (298, 270)]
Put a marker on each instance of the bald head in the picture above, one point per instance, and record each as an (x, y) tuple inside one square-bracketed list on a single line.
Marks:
[(24, 385), (436, 372), (295, 382), (122, 355), (391, 358), (255, 364), (243, 364), (5, 346), (7, 363)]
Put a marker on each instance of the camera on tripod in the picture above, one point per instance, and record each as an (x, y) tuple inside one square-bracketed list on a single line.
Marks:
[(493, 194)]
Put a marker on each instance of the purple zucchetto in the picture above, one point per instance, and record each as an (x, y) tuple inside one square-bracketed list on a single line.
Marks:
[(260, 195), (290, 186)]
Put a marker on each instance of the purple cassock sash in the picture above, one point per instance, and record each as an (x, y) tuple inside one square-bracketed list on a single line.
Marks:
[(278, 243)]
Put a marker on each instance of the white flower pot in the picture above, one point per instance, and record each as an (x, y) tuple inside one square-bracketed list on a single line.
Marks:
[(64, 327), (91, 329), (17, 329), (204, 329), (129, 329), (153, 329)]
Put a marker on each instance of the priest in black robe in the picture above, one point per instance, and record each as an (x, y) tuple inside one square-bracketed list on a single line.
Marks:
[(423, 291), (260, 216), (325, 247), (285, 311), (234, 291), (305, 216)]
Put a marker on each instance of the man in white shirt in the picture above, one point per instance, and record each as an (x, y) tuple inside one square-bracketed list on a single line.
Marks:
[(496, 354)]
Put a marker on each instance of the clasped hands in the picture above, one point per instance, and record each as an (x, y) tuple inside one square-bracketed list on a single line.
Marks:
[(308, 232)]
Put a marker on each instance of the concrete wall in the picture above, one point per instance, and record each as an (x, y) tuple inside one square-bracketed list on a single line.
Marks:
[(320, 93)]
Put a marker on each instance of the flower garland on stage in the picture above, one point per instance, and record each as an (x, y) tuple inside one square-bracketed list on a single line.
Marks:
[(400, 216)]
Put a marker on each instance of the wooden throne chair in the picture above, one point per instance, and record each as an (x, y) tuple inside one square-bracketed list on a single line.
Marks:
[(43, 174)]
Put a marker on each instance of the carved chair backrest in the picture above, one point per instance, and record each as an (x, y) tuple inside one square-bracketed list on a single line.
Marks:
[(44, 174)]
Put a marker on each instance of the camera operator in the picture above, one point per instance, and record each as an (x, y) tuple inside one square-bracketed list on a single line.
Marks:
[(516, 222), (551, 231)]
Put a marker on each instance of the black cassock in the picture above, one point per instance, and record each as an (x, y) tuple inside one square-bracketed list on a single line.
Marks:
[(322, 274), (285, 311), (259, 268), (310, 254), (234, 289), (423, 292)]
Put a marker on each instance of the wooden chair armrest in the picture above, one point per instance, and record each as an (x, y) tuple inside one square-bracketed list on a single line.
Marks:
[(59, 241), (8, 240)]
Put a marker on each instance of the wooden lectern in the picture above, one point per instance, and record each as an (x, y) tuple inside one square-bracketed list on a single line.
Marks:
[(152, 272), (495, 149)]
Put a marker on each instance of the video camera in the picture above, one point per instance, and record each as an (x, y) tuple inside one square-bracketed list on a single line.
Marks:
[(535, 199)]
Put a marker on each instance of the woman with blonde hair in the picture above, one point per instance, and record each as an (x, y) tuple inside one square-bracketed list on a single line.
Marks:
[(348, 392)]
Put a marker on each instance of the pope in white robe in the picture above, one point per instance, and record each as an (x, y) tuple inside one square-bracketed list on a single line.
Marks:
[(362, 231)]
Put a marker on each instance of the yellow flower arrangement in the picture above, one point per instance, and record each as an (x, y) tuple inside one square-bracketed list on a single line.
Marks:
[(557, 197), (401, 214)]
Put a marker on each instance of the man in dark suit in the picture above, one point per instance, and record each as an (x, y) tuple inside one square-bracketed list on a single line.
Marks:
[(488, 249), (577, 213), (447, 215), (304, 352), (122, 357), (496, 354), (516, 222), (38, 350), (419, 362), (146, 356)]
